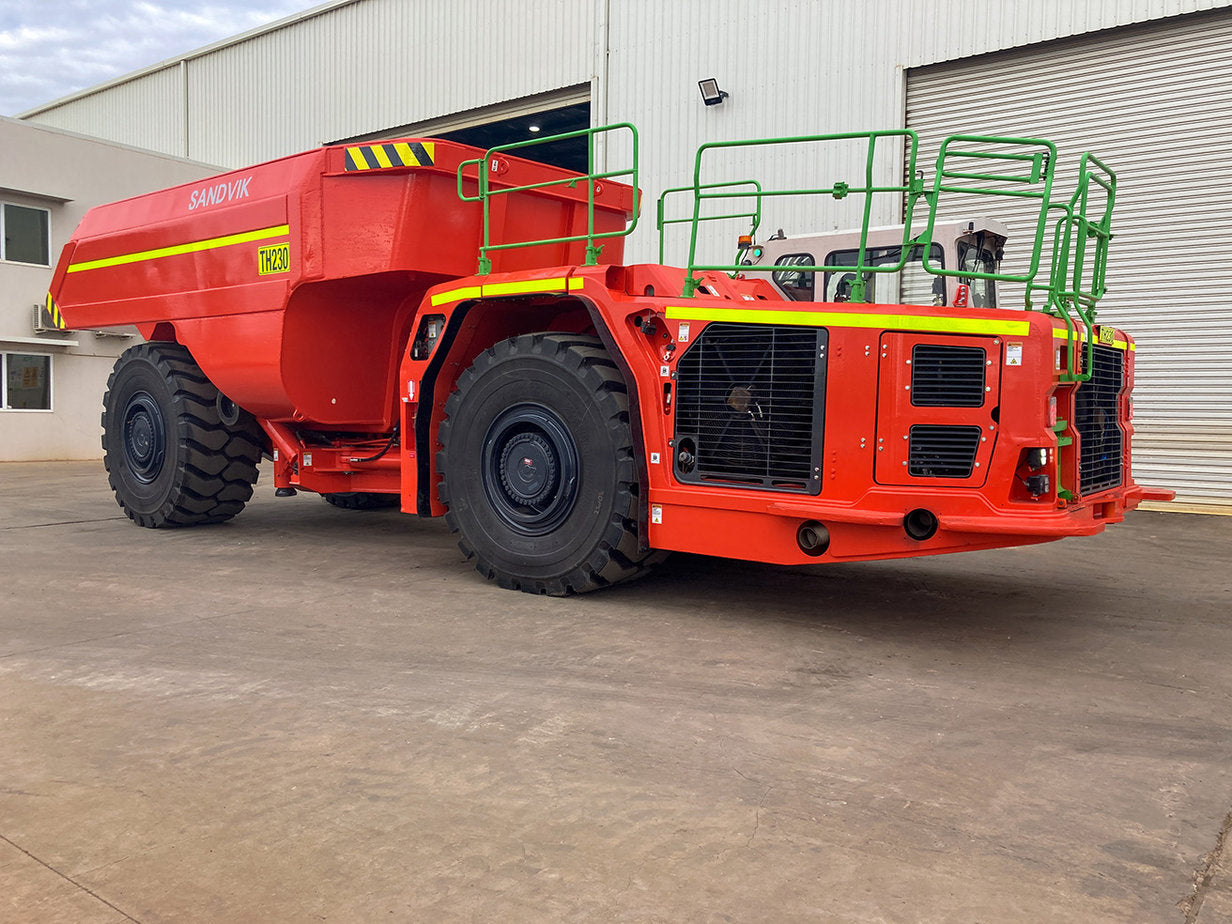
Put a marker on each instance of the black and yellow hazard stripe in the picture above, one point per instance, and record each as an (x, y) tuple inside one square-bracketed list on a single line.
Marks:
[(391, 154), (53, 312)]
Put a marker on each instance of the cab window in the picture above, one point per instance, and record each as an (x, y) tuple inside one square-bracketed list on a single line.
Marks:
[(797, 285), (976, 259), (912, 285)]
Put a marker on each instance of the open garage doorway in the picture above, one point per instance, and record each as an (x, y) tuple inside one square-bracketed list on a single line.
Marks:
[(518, 120)]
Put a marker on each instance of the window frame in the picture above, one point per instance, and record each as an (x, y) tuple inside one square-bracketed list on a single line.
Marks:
[(935, 253), (4, 384), (781, 268), (4, 257)]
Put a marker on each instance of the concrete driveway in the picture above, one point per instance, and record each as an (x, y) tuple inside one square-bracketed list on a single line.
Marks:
[(319, 714)]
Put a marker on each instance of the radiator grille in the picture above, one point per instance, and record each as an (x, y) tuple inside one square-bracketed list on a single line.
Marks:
[(749, 400), (939, 451), (947, 376), (1096, 412)]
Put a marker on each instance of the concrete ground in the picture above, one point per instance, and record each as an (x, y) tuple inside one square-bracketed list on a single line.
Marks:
[(319, 714)]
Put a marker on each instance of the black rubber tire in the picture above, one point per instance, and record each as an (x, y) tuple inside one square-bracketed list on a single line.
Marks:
[(169, 458), (362, 500), (537, 467)]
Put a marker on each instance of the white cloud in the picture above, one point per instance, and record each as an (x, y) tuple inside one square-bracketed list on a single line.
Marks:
[(52, 48)]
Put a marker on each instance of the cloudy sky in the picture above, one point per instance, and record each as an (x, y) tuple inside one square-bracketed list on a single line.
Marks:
[(51, 48)]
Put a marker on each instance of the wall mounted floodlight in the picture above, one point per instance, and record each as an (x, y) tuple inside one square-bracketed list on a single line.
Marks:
[(711, 94)]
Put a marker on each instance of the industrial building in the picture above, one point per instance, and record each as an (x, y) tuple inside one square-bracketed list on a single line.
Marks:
[(52, 381), (1143, 84)]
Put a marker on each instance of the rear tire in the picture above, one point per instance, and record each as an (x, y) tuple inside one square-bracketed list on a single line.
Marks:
[(170, 459), (537, 467), (362, 500)]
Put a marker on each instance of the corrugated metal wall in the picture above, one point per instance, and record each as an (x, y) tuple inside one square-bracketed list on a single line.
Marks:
[(1153, 103), (368, 65), (380, 63), (146, 112), (797, 68), (780, 71), (359, 67), (960, 28)]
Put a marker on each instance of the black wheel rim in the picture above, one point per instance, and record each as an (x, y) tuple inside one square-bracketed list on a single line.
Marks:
[(530, 469), (145, 437)]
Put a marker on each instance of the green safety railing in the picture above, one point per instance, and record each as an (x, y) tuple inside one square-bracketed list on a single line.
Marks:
[(662, 221), (979, 165), (910, 191), (1080, 259), (1035, 183), (486, 192), (1077, 271)]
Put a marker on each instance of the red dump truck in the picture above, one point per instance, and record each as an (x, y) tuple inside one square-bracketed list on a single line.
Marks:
[(420, 323)]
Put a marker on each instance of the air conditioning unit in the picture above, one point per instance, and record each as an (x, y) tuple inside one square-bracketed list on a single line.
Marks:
[(44, 321)]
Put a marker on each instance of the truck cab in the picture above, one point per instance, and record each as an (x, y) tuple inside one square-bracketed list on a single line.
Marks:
[(973, 245)]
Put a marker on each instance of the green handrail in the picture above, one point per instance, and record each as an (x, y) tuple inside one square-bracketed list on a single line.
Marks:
[(981, 165), (661, 221), (911, 190), (1080, 243), (1036, 183), (590, 178)]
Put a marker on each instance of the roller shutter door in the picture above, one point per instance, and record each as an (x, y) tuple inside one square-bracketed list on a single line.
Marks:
[(1155, 103)]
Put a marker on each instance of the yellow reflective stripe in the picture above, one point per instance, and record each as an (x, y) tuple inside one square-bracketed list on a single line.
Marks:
[(525, 288), (358, 162), (456, 295), (1061, 334), (947, 325), (404, 151), (529, 287), (191, 247), (381, 157)]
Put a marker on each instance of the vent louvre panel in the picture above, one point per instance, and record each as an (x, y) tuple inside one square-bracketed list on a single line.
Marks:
[(947, 376), (942, 451), (1096, 418), (750, 398)]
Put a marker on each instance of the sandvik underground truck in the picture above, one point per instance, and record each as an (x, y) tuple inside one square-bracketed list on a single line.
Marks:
[(421, 323)]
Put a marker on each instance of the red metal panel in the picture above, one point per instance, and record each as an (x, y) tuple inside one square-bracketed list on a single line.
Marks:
[(312, 331), (896, 413)]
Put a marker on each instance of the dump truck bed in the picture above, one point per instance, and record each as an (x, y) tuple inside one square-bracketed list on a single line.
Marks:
[(294, 283)]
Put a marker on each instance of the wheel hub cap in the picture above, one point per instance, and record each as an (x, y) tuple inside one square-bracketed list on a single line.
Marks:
[(530, 469), (145, 441)]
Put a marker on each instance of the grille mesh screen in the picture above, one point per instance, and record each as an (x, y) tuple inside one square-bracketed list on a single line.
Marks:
[(1096, 420), (748, 406), (947, 376), (942, 451)]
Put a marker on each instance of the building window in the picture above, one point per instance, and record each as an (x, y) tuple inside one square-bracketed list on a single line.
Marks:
[(25, 382), (25, 234)]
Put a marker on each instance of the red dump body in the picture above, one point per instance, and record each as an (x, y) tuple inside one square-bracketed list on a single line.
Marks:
[(294, 283)]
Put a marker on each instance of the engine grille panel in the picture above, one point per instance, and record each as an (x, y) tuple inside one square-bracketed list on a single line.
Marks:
[(942, 451), (749, 406), (1096, 418), (947, 376)]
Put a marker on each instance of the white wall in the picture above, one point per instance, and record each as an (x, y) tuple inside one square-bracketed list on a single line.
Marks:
[(67, 174)]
